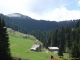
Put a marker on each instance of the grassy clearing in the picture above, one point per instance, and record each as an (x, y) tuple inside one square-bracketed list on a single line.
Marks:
[(21, 48)]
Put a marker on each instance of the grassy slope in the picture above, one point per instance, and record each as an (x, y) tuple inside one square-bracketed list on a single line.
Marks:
[(21, 48)]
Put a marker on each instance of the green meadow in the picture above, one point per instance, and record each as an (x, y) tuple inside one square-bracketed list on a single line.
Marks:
[(21, 48)]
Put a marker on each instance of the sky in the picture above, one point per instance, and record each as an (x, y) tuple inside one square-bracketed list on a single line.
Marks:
[(51, 10)]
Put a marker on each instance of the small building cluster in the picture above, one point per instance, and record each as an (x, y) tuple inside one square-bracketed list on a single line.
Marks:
[(53, 49), (36, 47)]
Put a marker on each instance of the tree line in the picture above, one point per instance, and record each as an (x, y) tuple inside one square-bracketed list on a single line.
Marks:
[(66, 38), (26, 25)]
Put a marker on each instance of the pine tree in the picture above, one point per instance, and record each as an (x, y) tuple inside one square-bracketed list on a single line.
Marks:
[(63, 38), (60, 52), (75, 52), (4, 42)]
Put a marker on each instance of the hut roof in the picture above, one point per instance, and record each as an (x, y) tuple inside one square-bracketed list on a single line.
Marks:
[(53, 47), (35, 46)]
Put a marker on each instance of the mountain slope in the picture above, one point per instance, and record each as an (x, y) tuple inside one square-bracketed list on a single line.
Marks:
[(27, 25), (17, 15)]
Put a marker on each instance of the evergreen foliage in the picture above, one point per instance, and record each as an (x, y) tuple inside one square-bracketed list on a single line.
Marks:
[(60, 52), (4, 42), (61, 38), (75, 50)]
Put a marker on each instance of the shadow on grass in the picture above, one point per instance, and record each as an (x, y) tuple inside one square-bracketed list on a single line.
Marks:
[(17, 58)]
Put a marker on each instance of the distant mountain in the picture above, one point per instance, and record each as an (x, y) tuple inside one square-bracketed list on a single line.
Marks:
[(25, 24), (1, 15), (17, 15)]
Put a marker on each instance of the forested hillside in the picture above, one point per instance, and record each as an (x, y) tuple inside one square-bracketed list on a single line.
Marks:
[(66, 38), (27, 25)]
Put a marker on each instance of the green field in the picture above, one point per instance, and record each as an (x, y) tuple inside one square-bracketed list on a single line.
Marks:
[(21, 48)]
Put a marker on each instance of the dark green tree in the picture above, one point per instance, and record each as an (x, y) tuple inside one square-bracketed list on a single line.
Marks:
[(4, 42), (60, 52), (62, 38), (68, 33), (49, 39), (75, 50), (54, 38)]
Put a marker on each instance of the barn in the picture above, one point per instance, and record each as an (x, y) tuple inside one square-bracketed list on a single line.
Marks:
[(53, 49), (36, 47)]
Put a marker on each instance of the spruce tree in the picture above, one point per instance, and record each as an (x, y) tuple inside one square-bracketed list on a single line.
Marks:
[(60, 52), (75, 52), (4, 42)]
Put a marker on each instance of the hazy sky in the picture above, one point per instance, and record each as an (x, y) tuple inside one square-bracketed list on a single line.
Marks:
[(53, 10)]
